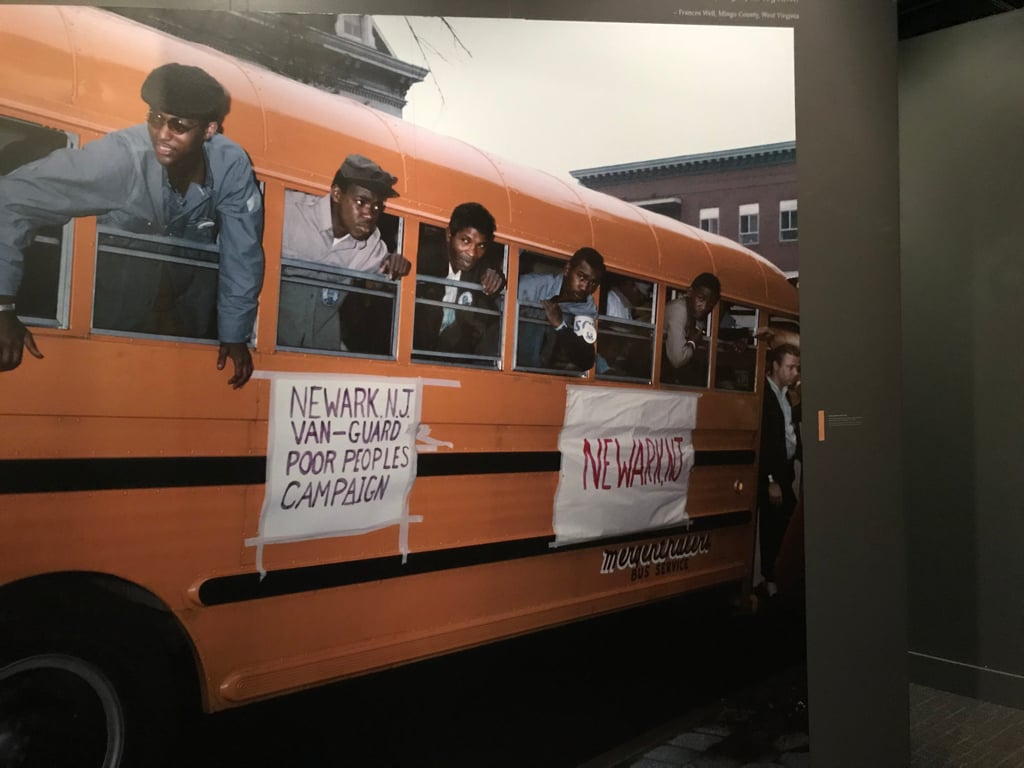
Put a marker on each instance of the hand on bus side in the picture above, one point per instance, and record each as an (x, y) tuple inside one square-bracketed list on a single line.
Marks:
[(553, 311), (396, 266), (493, 282), (14, 337), (238, 351), (694, 334)]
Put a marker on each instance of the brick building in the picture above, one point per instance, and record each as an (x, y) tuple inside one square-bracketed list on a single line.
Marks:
[(747, 194)]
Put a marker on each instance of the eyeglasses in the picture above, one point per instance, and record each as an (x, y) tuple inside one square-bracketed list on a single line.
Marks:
[(363, 202), (177, 126), (591, 281)]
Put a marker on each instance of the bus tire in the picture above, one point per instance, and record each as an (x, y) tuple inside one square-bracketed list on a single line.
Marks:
[(88, 699)]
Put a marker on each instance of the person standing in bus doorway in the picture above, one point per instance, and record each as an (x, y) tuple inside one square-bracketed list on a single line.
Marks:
[(568, 305), (463, 257), (338, 229), (175, 175), (685, 325), (780, 444)]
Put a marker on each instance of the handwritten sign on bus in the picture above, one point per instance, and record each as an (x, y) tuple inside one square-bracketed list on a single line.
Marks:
[(341, 455), (626, 461)]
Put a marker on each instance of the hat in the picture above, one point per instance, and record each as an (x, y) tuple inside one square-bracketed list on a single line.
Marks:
[(363, 171), (185, 91)]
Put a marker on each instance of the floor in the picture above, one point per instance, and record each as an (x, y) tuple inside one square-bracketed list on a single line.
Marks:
[(766, 727)]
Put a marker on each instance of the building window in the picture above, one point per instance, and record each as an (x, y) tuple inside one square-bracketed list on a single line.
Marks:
[(787, 220), (666, 206), (709, 220), (351, 25), (748, 224)]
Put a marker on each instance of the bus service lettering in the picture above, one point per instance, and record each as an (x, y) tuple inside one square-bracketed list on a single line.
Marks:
[(660, 554)]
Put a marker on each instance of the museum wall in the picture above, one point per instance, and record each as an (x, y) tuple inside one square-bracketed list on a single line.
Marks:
[(961, 113)]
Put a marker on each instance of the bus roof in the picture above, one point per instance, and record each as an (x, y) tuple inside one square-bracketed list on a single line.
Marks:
[(84, 66)]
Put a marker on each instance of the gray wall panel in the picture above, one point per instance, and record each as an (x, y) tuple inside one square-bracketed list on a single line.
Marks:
[(962, 200)]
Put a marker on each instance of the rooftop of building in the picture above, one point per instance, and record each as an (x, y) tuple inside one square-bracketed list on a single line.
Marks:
[(704, 162)]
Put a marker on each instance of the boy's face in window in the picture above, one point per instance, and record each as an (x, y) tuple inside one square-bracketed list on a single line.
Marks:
[(702, 301), (355, 211), (465, 248), (580, 281)]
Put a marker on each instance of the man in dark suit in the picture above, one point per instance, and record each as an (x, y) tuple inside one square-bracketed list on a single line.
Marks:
[(461, 257), (780, 444)]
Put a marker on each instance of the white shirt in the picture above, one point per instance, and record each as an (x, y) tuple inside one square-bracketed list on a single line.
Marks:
[(451, 293), (787, 417)]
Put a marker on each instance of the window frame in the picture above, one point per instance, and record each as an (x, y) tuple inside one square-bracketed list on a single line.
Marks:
[(713, 216), (62, 318), (709, 339), (532, 254), (213, 264), (752, 346), (749, 213), (454, 359), (788, 221), (341, 273), (604, 320)]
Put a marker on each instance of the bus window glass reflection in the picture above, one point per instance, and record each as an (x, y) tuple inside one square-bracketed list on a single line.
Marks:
[(736, 356), (625, 339), (42, 295), (152, 285)]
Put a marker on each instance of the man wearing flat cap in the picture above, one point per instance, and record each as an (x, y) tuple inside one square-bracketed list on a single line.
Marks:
[(173, 176), (338, 229)]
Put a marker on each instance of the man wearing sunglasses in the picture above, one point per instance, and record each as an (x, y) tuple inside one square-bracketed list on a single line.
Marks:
[(173, 176)]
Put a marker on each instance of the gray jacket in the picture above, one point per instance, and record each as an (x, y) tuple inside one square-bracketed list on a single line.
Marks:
[(118, 179)]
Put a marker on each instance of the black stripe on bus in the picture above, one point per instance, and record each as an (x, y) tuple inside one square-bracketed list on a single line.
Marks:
[(63, 475), (722, 458), (289, 581), (508, 462)]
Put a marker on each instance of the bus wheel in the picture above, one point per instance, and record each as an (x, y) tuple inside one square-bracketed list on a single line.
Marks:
[(59, 710), (75, 699)]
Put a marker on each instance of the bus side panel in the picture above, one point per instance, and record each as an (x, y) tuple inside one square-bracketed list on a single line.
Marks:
[(377, 624)]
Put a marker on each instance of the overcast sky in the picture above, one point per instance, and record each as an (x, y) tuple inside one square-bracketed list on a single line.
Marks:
[(568, 95)]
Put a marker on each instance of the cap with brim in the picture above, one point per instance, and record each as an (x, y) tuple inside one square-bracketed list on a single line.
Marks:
[(185, 91), (363, 171)]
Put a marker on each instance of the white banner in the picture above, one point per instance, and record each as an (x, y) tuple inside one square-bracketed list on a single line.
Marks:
[(626, 461), (341, 456)]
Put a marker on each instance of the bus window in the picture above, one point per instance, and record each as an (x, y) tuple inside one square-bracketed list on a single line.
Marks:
[(539, 347), (456, 323), (344, 305), (625, 339), (43, 296), (154, 285), (736, 359), (679, 366)]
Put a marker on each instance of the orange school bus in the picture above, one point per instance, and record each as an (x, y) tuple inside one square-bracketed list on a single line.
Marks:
[(365, 500)]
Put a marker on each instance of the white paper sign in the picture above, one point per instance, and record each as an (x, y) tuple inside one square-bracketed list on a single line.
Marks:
[(626, 461), (341, 455)]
